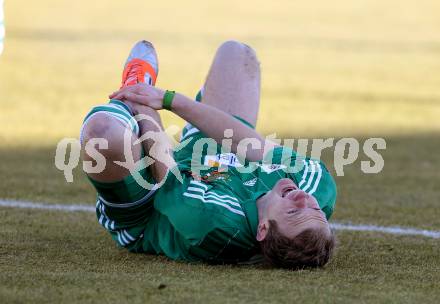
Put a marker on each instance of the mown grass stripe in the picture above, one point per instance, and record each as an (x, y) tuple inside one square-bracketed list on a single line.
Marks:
[(337, 226)]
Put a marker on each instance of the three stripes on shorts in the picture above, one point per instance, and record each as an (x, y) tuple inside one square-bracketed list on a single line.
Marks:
[(123, 236)]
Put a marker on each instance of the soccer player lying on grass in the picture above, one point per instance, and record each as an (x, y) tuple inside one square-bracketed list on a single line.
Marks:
[(206, 208)]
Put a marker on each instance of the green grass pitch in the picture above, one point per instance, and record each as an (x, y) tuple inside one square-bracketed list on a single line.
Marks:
[(329, 69)]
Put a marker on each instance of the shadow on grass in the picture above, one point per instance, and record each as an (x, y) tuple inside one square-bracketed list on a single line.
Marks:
[(405, 193)]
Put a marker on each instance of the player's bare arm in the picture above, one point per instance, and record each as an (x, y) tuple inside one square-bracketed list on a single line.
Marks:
[(157, 142), (210, 120)]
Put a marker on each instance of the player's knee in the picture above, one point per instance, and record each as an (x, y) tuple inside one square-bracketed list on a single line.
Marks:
[(240, 54), (97, 127), (107, 128), (238, 48), (233, 50), (231, 46)]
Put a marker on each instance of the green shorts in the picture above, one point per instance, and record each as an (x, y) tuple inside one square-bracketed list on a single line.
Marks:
[(126, 190)]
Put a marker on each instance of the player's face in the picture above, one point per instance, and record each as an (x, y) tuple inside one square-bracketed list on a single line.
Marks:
[(293, 209)]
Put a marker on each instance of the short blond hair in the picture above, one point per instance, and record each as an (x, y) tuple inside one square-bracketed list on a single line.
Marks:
[(309, 249)]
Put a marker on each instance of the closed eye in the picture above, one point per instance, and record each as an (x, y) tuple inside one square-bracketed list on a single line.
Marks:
[(296, 210), (292, 211), (320, 210)]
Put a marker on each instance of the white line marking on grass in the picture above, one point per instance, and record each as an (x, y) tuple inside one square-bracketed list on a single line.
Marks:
[(59, 207), (391, 230), (338, 226)]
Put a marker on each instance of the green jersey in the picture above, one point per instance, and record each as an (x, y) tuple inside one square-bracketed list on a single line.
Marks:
[(210, 214)]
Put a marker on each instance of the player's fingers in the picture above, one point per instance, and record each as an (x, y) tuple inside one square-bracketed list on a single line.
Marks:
[(117, 93), (140, 87), (134, 98), (112, 95)]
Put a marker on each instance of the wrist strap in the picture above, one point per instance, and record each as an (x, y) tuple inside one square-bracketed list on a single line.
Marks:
[(168, 99)]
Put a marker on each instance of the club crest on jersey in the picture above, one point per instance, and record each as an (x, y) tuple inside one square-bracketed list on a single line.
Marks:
[(214, 175)]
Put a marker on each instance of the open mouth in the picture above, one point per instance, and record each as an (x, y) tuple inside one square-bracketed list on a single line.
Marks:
[(287, 190)]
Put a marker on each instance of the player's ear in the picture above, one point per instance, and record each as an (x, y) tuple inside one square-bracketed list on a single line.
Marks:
[(263, 228)]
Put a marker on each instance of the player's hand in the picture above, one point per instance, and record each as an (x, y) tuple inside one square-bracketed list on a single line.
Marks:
[(141, 93), (138, 108)]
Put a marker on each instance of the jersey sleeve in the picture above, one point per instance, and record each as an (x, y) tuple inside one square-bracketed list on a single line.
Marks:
[(310, 175)]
